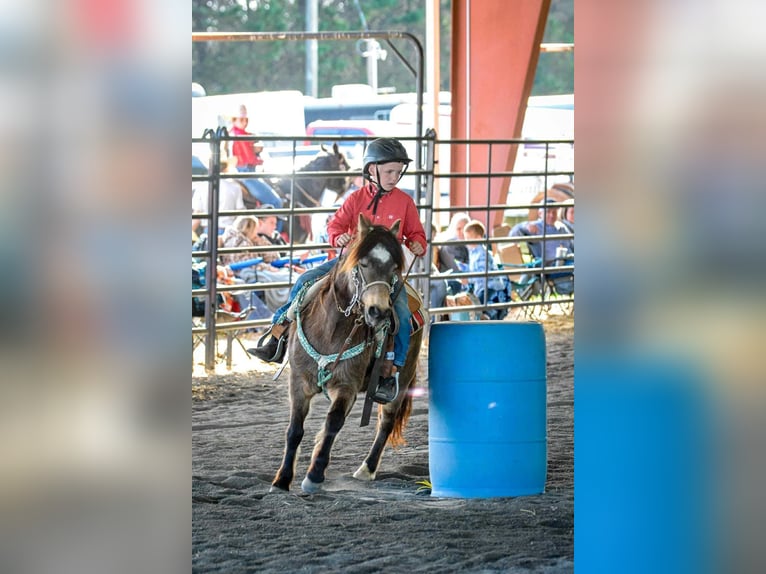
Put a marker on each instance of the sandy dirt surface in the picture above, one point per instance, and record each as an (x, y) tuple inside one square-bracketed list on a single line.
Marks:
[(239, 419)]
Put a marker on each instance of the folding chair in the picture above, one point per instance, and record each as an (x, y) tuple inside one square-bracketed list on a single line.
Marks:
[(527, 284), (560, 285), (550, 285)]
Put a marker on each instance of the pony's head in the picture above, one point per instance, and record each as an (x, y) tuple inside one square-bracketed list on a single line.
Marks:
[(335, 161), (375, 259)]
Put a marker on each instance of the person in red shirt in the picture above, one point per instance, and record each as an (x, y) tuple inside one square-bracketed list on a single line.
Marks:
[(385, 161), (248, 153)]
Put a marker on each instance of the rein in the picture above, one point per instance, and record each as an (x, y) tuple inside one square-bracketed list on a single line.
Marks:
[(404, 282)]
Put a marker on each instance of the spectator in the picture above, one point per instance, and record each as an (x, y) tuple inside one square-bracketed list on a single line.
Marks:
[(268, 233), (449, 255), (248, 153), (242, 233), (544, 224), (480, 260), (245, 233), (551, 246)]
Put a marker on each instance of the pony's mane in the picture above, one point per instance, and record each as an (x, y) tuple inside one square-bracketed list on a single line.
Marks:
[(361, 246)]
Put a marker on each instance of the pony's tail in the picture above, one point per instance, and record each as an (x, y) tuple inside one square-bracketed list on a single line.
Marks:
[(396, 438)]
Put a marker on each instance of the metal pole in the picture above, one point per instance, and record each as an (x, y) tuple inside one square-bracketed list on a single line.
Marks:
[(432, 70), (211, 270), (371, 53), (312, 57)]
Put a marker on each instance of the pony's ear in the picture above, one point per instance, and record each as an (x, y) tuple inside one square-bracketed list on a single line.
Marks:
[(395, 227), (364, 225)]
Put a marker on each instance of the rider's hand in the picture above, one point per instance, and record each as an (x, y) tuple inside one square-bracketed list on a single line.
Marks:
[(417, 248), (342, 240)]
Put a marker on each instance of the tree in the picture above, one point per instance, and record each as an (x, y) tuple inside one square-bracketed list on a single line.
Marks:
[(227, 67), (555, 70)]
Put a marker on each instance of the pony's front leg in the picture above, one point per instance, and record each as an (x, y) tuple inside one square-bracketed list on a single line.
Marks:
[(299, 408), (386, 420), (343, 399)]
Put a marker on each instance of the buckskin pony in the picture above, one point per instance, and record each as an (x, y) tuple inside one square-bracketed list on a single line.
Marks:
[(333, 343)]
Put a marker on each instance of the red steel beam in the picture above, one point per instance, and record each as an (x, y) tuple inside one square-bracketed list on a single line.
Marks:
[(495, 48)]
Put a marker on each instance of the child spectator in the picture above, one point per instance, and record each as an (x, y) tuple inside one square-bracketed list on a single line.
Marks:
[(493, 289)]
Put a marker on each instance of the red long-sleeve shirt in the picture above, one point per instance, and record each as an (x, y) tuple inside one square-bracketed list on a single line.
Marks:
[(392, 206)]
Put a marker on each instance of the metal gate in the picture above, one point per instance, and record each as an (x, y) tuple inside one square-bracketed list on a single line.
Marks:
[(433, 208)]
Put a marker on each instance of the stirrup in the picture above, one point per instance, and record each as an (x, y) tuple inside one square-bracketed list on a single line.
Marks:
[(262, 349), (387, 389), (264, 337)]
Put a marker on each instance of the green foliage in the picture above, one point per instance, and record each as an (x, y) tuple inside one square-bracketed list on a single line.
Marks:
[(225, 67), (555, 71)]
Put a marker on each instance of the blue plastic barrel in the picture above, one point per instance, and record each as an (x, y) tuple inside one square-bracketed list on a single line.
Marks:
[(486, 413)]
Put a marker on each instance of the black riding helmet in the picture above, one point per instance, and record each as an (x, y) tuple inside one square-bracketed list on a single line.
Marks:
[(384, 150)]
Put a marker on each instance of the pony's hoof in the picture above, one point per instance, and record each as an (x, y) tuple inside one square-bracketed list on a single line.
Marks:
[(275, 488), (363, 473), (310, 487)]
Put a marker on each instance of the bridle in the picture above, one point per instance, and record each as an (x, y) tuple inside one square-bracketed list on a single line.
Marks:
[(360, 286)]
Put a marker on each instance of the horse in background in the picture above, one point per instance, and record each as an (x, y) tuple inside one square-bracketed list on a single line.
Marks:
[(306, 191), (354, 298)]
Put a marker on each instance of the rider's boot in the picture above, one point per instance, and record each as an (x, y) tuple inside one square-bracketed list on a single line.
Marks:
[(273, 351), (387, 388)]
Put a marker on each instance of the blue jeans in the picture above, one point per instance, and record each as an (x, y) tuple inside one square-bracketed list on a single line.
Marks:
[(402, 337)]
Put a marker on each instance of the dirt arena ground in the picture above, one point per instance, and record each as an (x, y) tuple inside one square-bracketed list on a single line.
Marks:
[(392, 525)]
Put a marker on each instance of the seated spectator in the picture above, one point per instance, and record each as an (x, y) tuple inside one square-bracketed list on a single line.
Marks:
[(551, 247), (481, 290), (242, 233), (544, 224), (492, 289), (449, 255), (268, 234), (245, 233)]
